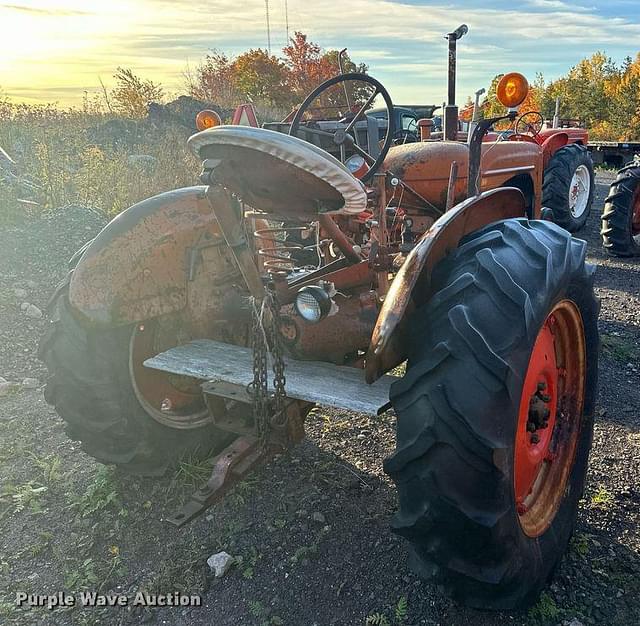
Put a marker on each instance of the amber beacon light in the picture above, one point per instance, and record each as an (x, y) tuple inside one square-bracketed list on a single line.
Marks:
[(207, 119), (512, 89)]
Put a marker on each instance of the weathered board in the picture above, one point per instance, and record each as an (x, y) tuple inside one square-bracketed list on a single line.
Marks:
[(314, 381)]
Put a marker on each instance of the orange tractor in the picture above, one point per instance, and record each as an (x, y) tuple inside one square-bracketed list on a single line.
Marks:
[(214, 317)]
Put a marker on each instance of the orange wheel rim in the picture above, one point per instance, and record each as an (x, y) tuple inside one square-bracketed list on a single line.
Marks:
[(174, 401), (549, 418)]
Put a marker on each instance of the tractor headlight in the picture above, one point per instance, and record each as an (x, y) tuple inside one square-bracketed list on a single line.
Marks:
[(313, 303)]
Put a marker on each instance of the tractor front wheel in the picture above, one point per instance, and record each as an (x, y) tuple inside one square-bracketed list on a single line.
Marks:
[(568, 185), (495, 413), (621, 215), (124, 414)]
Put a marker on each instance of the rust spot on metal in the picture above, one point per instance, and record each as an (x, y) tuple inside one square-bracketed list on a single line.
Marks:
[(136, 268)]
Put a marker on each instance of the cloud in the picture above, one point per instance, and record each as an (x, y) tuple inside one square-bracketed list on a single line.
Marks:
[(557, 5), (42, 11), (401, 41)]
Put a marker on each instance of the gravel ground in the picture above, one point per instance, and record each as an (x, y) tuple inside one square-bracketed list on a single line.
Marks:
[(310, 530)]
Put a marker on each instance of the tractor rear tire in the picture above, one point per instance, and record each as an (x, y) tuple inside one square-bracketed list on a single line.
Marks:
[(459, 409), (90, 387), (569, 170), (621, 215)]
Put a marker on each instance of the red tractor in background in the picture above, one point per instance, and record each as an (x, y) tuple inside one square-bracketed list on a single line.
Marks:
[(212, 318), (568, 181)]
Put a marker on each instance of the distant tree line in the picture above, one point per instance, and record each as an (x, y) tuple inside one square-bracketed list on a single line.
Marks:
[(597, 92), (602, 95)]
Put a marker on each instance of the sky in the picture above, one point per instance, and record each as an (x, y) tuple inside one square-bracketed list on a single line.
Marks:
[(54, 50)]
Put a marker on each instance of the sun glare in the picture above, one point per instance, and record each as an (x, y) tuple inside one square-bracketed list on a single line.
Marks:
[(45, 43)]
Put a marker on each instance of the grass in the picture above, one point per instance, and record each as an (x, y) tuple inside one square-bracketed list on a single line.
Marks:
[(619, 348), (545, 611), (602, 498), (88, 157), (580, 544), (102, 494), (394, 616)]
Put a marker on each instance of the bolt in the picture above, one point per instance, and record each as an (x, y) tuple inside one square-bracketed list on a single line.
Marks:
[(531, 427), (166, 405), (535, 438), (542, 386)]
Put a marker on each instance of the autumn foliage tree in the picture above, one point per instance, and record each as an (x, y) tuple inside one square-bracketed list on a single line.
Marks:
[(603, 96), (266, 79)]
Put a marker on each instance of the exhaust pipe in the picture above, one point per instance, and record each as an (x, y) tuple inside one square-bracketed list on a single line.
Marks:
[(451, 110)]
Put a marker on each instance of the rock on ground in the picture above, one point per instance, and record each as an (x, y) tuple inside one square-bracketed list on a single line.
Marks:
[(220, 563), (33, 311)]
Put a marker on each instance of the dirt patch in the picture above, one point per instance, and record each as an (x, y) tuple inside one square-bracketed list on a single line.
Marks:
[(310, 531)]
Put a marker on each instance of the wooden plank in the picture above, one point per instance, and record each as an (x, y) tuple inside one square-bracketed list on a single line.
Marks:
[(314, 381)]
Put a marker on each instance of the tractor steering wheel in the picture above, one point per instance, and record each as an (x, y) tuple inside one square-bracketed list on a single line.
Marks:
[(346, 138), (529, 122)]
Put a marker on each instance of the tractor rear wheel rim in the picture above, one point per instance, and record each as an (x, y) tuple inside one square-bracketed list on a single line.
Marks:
[(579, 190), (174, 401), (549, 418)]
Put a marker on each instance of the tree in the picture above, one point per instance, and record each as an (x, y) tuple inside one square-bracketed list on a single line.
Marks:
[(583, 93), (270, 82), (307, 66), (132, 94), (623, 91), (262, 78), (214, 81)]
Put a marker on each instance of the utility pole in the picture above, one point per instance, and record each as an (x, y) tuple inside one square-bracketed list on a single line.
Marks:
[(266, 4)]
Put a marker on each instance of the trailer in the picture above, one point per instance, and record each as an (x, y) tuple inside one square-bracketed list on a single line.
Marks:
[(613, 154)]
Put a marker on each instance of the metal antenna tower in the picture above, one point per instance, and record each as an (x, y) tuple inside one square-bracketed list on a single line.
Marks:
[(286, 19), (266, 4)]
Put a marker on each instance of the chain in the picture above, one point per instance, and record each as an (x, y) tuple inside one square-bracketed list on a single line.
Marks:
[(279, 417), (268, 412)]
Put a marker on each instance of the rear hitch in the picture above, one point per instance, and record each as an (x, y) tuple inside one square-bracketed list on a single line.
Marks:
[(230, 466)]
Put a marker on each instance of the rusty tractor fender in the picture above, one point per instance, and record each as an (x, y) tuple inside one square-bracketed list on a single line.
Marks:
[(155, 258), (410, 287), (551, 145)]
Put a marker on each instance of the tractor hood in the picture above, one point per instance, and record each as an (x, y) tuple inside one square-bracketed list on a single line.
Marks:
[(425, 166)]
